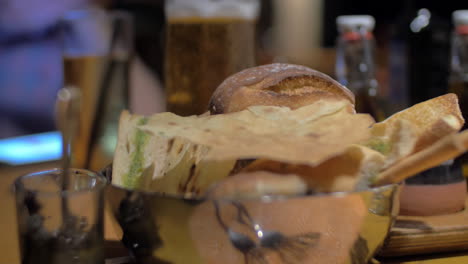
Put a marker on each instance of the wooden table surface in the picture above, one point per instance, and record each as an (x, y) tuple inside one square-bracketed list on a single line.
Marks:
[(9, 253)]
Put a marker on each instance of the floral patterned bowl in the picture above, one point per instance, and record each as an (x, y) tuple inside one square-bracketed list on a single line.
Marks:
[(324, 228)]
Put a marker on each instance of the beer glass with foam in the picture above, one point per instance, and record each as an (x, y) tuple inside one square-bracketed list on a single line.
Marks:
[(206, 41)]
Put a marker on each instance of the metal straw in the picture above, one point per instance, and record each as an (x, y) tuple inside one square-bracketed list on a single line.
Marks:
[(67, 112)]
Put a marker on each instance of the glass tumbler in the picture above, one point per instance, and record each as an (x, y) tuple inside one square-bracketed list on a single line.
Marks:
[(55, 226)]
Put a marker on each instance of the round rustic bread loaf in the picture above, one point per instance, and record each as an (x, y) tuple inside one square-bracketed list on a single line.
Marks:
[(277, 84)]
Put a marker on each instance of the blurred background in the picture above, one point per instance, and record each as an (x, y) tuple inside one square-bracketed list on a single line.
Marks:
[(414, 60)]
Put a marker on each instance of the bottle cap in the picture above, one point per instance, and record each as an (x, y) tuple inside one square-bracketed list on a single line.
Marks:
[(460, 17), (354, 22)]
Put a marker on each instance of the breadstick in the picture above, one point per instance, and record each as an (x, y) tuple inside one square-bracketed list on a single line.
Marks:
[(447, 148)]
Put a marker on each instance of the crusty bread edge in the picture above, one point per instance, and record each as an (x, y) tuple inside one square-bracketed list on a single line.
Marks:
[(121, 159)]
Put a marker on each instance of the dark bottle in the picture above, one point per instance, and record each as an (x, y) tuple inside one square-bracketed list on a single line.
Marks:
[(355, 66), (442, 189), (428, 47), (397, 60), (458, 81)]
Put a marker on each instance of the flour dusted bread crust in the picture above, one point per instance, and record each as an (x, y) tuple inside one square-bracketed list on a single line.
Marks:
[(277, 84), (428, 121), (435, 117)]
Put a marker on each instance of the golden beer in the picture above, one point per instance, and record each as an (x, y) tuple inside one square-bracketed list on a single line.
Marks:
[(84, 73), (200, 54), (94, 144)]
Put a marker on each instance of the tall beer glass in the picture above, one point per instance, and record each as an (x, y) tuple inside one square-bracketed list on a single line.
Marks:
[(206, 41), (97, 48)]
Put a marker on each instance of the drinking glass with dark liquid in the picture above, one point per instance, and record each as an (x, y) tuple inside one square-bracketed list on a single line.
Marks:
[(206, 41), (97, 50), (51, 233)]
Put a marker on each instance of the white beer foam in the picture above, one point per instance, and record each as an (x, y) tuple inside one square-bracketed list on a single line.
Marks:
[(248, 9)]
